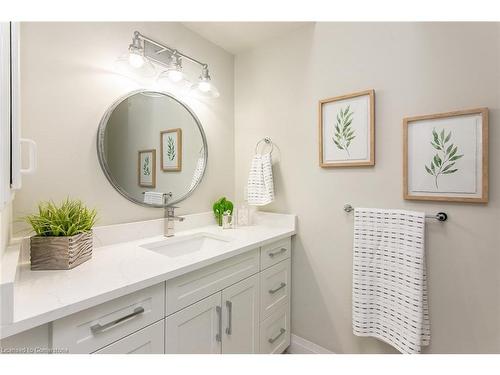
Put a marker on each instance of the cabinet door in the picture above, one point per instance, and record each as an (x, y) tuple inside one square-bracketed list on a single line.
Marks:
[(240, 318), (196, 329), (148, 340)]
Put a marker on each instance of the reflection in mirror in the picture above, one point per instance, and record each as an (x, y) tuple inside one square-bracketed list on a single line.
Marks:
[(150, 144)]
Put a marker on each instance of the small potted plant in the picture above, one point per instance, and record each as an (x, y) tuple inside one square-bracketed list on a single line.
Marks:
[(221, 207), (63, 237)]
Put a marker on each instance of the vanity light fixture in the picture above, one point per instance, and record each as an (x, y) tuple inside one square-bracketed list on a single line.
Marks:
[(174, 71), (136, 52), (146, 49), (204, 86)]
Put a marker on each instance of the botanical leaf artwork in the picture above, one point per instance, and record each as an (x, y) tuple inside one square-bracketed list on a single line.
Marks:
[(444, 160), (170, 148), (344, 133), (146, 167)]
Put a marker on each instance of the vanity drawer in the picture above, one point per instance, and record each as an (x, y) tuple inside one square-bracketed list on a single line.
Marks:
[(194, 286), (148, 340), (94, 328), (275, 331), (275, 252), (274, 288)]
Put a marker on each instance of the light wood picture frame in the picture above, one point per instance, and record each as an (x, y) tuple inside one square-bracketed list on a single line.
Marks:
[(171, 150), (445, 156), (146, 168), (346, 126)]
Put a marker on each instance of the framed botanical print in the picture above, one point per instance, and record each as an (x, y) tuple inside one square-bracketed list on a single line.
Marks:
[(347, 130), (146, 169), (445, 156), (171, 150)]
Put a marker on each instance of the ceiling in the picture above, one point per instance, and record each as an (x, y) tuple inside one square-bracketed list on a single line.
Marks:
[(236, 37)]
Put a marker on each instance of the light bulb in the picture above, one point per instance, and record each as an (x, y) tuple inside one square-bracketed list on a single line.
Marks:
[(205, 89), (135, 59), (204, 86), (175, 75)]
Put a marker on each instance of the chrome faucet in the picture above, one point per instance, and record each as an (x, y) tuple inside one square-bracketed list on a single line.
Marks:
[(169, 216)]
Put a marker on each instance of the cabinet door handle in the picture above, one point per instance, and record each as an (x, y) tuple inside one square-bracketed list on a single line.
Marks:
[(218, 336), (272, 291), (273, 339), (98, 328), (274, 253), (32, 152), (229, 328)]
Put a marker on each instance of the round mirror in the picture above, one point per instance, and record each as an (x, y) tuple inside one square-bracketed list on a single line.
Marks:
[(152, 148)]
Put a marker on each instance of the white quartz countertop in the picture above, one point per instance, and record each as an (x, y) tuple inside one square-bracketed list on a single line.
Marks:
[(121, 268)]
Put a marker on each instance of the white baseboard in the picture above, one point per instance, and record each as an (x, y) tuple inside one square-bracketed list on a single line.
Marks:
[(299, 345)]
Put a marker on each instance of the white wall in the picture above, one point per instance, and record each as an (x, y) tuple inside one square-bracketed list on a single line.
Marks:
[(415, 69), (68, 83)]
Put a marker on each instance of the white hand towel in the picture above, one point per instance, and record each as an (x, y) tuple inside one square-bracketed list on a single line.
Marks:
[(198, 171), (153, 197), (260, 189), (389, 293)]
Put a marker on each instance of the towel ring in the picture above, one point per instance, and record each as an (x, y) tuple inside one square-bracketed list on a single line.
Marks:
[(267, 141)]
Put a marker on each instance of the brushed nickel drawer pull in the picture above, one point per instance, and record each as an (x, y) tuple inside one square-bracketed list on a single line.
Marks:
[(273, 339), (274, 253), (272, 291), (218, 336), (98, 328), (229, 328)]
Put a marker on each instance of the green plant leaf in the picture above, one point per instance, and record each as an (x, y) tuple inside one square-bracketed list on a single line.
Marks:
[(344, 134), (447, 137), (437, 147), (450, 171), (435, 135), (437, 160), (456, 157), (448, 167), (69, 218), (428, 170)]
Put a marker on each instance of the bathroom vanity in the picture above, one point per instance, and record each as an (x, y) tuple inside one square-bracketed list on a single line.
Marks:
[(206, 290), (203, 290)]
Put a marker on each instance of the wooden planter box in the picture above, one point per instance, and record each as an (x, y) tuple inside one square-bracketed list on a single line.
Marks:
[(60, 253)]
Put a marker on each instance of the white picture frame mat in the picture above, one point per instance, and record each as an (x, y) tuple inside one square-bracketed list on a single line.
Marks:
[(360, 150), (467, 134)]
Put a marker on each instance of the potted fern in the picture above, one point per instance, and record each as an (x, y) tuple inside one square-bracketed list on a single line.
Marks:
[(63, 237)]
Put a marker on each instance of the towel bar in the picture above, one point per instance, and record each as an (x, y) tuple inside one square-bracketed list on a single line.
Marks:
[(440, 216)]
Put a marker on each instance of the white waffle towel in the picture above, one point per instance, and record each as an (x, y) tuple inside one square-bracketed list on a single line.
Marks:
[(260, 189), (198, 171), (153, 197), (389, 295)]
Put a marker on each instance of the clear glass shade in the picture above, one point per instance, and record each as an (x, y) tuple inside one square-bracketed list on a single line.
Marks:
[(124, 67), (172, 75), (135, 59), (205, 88)]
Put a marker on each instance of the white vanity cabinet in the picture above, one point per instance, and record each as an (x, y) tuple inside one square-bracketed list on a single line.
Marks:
[(248, 316), (90, 330), (225, 322), (149, 340), (240, 317), (240, 304)]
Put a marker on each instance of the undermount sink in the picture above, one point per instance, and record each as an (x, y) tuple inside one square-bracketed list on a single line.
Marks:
[(184, 245)]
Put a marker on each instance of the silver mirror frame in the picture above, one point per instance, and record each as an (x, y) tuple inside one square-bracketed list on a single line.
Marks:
[(104, 164)]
